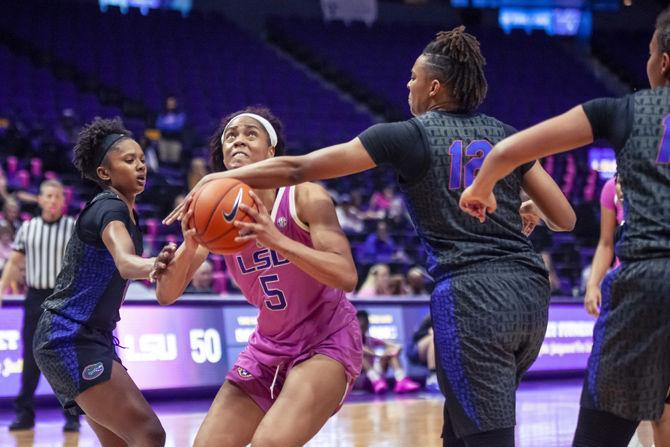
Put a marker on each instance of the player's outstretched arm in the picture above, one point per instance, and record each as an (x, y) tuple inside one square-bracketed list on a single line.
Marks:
[(173, 279), (330, 261), (602, 260), (549, 199), (559, 134), (130, 265), (330, 162)]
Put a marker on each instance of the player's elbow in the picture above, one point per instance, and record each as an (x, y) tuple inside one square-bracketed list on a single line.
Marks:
[(125, 272), (349, 281), (165, 297), (297, 170), (570, 220), (302, 169), (565, 221)]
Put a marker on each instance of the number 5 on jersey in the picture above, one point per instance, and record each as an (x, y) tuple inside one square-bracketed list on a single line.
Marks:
[(275, 297)]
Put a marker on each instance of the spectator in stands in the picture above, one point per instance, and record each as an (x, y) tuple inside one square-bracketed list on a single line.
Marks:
[(58, 157), (197, 171), (10, 213), (363, 207), (378, 356), (202, 279), (150, 148), (398, 284), (381, 201), (6, 237), (381, 247), (377, 282), (67, 130), (171, 124), (423, 352), (417, 279), (4, 193), (349, 216)]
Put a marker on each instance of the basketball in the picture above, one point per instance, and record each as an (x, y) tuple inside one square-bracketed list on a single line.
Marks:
[(215, 209)]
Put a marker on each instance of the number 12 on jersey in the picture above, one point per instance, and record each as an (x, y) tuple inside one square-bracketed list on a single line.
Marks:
[(477, 150), (664, 145)]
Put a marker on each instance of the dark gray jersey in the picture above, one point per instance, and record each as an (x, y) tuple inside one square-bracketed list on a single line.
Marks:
[(89, 290), (638, 125), (437, 155)]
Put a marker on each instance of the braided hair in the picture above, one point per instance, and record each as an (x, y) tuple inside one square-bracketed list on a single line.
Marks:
[(216, 147), (663, 30), (455, 59), (88, 142)]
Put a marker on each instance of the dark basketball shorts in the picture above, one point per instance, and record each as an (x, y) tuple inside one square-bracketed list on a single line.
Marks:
[(489, 327), (72, 357), (629, 366)]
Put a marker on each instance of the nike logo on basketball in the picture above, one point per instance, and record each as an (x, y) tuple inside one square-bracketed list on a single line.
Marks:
[(229, 217)]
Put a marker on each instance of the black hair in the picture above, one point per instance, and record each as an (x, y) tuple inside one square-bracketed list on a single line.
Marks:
[(88, 142), (663, 29), (455, 59), (363, 314), (216, 148)]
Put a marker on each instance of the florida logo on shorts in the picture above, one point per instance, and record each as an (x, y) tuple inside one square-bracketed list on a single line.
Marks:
[(282, 222), (93, 371), (243, 373)]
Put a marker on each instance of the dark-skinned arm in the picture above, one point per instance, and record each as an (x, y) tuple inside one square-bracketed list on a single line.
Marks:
[(559, 134), (547, 196), (120, 245), (330, 162)]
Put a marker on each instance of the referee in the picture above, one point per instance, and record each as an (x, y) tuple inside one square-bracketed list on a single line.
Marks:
[(40, 245)]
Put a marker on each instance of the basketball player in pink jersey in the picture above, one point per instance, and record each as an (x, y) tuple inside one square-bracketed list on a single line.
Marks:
[(306, 350)]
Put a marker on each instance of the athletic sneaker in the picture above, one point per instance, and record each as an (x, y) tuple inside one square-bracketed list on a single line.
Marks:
[(432, 386), (379, 386), (406, 385)]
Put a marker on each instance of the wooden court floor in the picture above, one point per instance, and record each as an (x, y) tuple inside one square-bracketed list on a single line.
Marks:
[(389, 423), (546, 417)]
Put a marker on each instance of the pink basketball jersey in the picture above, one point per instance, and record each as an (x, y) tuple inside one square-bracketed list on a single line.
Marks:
[(296, 311)]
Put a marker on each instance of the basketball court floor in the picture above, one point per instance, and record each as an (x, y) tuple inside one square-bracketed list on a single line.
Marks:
[(546, 417)]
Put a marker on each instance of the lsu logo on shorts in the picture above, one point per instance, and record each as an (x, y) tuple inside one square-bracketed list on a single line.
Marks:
[(243, 373)]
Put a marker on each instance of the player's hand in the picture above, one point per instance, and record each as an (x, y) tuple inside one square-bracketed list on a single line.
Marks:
[(592, 300), (180, 210), (189, 233), (263, 230), (530, 217), (477, 203), (162, 261)]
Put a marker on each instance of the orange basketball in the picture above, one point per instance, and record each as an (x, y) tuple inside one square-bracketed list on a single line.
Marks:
[(215, 208)]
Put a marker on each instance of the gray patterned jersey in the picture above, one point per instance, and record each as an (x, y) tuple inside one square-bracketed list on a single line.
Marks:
[(644, 171), (457, 146)]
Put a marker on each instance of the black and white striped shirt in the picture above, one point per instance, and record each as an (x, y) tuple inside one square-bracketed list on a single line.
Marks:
[(43, 244)]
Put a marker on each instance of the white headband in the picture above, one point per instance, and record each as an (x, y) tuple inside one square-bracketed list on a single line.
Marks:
[(265, 123)]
